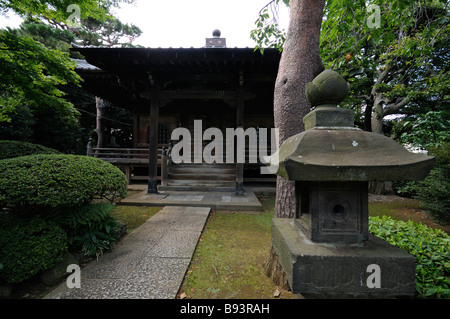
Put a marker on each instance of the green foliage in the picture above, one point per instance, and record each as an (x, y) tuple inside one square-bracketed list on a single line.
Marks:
[(10, 149), (49, 181), (110, 32), (56, 11), (37, 72), (33, 73), (434, 192), (268, 33), (405, 188), (32, 78), (90, 228), (49, 36), (430, 247), (19, 122), (400, 67), (426, 130), (28, 247)]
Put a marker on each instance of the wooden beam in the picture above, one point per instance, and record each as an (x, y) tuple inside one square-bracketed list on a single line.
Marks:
[(153, 143), (167, 95), (240, 100)]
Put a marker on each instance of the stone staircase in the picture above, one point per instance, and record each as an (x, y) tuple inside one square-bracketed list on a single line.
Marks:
[(201, 177)]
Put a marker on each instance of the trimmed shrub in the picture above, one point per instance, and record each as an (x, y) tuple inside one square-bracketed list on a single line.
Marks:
[(28, 247), (430, 247), (50, 181), (10, 149)]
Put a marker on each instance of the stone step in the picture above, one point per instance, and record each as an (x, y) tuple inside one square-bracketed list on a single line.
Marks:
[(200, 182), (203, 167), (201, 176), (198, 188), (200, 170)]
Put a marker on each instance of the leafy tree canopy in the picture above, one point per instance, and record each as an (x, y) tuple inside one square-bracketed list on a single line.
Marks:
[(36, 69), (59, 11), (399, 65), (394, 54), (32, 74), (109, 33)]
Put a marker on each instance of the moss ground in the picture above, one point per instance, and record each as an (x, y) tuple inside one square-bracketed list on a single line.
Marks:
[(133, 216), (228, 262)]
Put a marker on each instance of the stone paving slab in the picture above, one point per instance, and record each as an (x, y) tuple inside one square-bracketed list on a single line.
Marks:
[(214, 200), (149, 263)]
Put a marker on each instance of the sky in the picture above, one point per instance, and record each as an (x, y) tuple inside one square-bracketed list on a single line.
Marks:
[(186, 23)]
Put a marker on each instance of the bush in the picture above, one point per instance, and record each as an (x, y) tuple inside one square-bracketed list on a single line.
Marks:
[(50, 181), (430, 247), (434, 192), (28, 247), (90, 228), (405, 188), (10, 149)]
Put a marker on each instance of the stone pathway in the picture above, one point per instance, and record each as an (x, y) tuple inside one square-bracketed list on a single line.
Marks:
[(214, 200), (149, 263)]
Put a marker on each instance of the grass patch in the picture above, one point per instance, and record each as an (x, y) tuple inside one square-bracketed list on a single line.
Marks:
[(398, 209), (228, 262), (404, 209), (133, 216)]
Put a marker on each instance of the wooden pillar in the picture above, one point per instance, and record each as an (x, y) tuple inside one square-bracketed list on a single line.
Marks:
[(240, 123), (153, 143), (164, 167), (136, 128), (89, 151), (98, 124)]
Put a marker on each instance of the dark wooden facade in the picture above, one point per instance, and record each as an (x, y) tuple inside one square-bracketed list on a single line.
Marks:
[(170, 88)]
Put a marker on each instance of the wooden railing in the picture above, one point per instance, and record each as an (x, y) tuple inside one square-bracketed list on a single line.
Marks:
[(166, 161), (129, 157)]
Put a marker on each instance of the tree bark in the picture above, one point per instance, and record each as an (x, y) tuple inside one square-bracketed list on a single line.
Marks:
[(300, 63), (368, 116), (377, 115), (274, 270)]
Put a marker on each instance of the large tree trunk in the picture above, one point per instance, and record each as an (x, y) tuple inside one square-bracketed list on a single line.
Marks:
[(377, 115), (300, 63)]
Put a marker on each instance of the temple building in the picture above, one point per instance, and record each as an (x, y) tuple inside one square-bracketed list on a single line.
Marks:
[(170, 88)]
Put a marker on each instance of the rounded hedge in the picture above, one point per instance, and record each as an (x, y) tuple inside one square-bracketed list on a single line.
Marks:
[(10, 149), (28, 247), (50, 181)]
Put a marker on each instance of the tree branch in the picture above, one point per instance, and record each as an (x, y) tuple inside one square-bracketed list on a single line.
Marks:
[(394, 108), (364, 96), (381, 77)]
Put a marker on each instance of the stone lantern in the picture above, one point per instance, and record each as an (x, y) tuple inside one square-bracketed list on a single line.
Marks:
[(327, 248)]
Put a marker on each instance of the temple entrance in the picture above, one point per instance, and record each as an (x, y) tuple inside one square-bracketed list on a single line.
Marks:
[(196, 174)]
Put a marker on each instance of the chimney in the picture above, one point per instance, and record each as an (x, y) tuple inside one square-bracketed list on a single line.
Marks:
[(216, 41)]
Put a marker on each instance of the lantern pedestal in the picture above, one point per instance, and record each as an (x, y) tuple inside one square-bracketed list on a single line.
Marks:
[(369, 269)]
